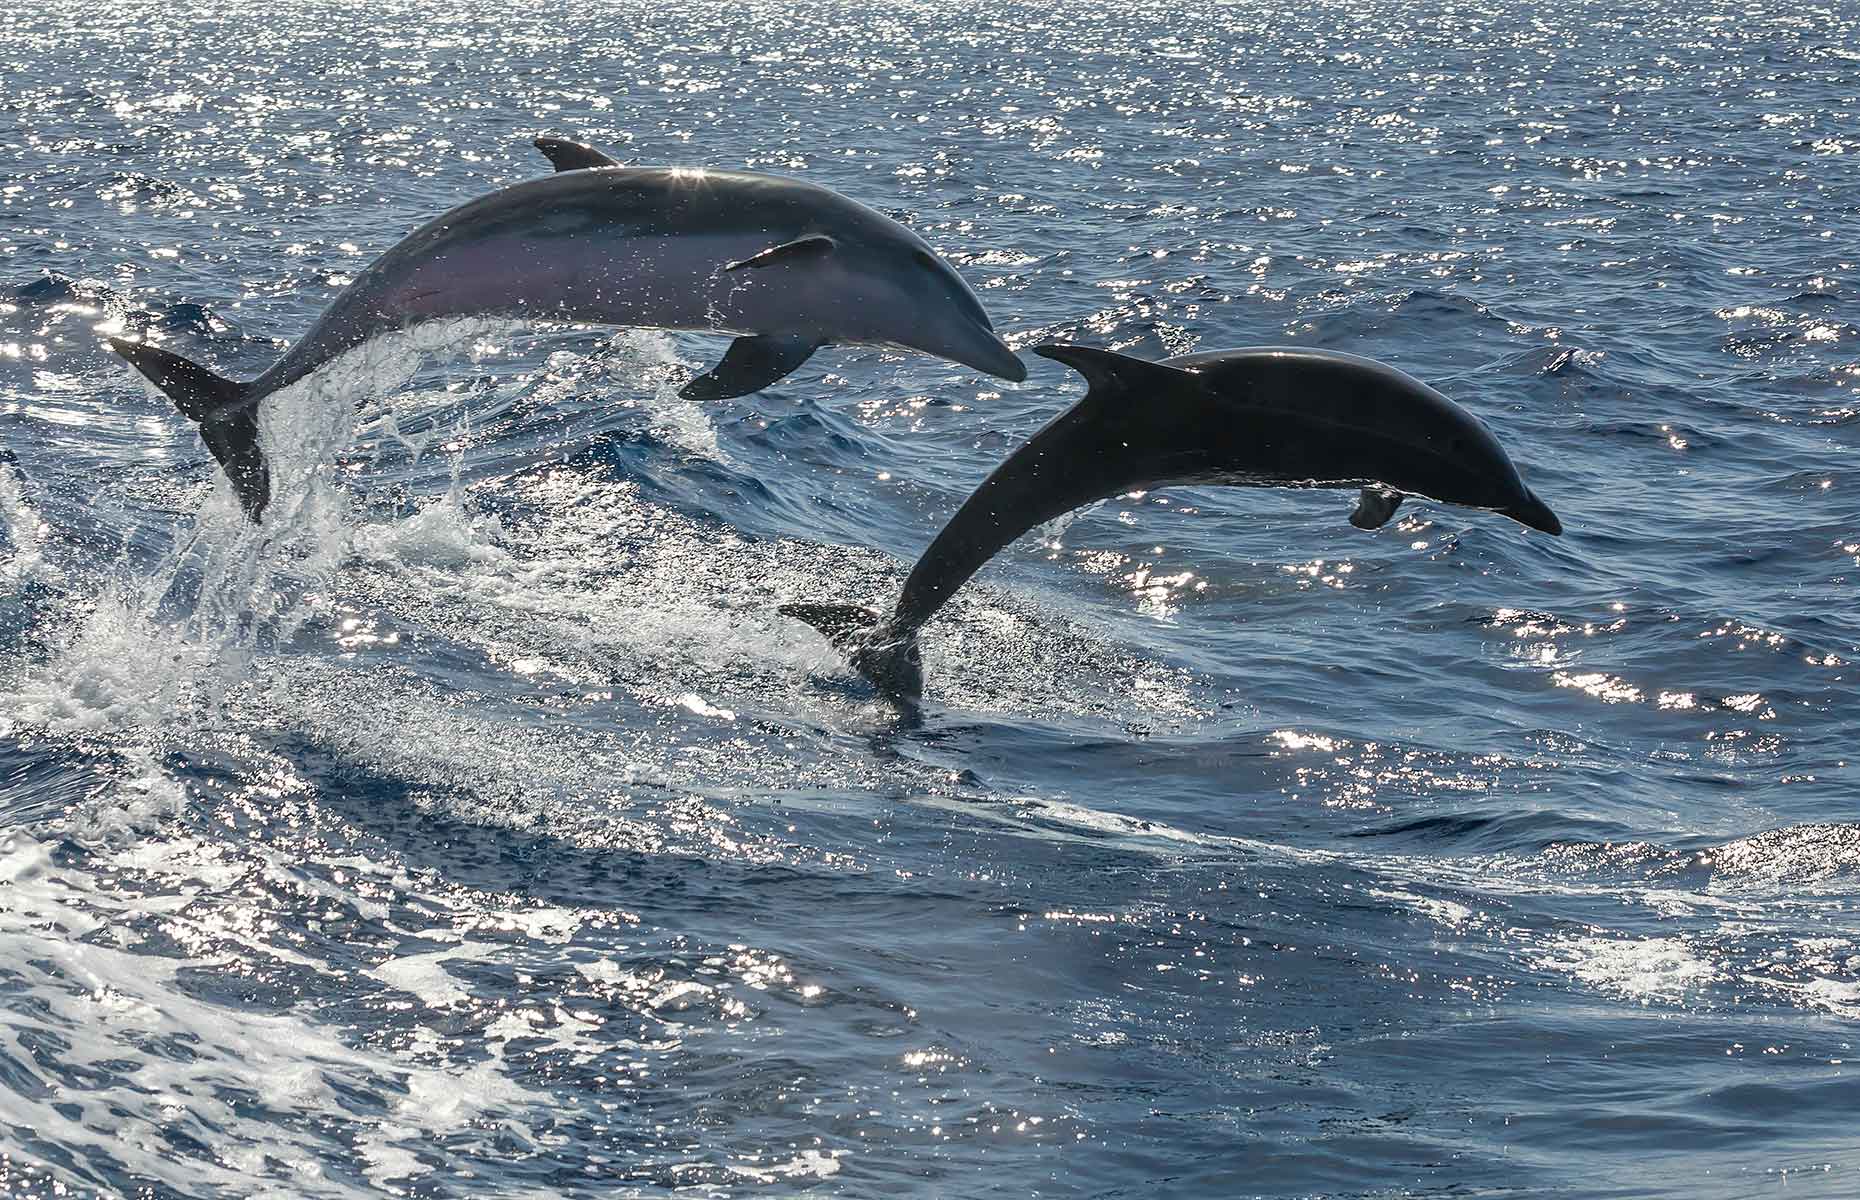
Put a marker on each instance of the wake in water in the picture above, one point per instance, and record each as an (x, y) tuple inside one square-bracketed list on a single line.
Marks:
[(216, 650), (89, 924)]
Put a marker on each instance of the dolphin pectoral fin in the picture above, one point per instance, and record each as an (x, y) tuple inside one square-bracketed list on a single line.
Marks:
[(1108, 370), (1375, 507), (572, 156), (749, 365), (807, 246)]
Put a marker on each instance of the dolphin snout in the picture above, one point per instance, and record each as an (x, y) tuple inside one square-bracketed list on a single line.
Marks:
[(1535, 513), (984, 350)]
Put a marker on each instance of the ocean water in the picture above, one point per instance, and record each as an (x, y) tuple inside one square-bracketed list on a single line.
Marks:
[(477, 828)]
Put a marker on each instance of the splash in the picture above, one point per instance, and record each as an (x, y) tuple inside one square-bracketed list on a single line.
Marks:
[(168, 645), (644, 355), (22, 534)]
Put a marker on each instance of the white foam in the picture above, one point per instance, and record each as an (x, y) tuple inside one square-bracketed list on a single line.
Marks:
[(1840, 997), (605, 970), (808, 1164), (102, 1004), (691, 702), (423, 976), (1645, 969), (1445, 912), (118, 667), (146, 798), (446, 536), (555, 926)]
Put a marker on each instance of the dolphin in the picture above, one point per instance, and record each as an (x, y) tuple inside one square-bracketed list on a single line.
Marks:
[(1266, 417), (786, 265)]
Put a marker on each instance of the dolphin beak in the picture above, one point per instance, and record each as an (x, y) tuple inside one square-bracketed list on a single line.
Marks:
[(1535, 513), (980, 347)]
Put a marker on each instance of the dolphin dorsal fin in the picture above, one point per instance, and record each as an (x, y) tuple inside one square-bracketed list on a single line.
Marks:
[(806, 246), (572, 156), (1110, 371)]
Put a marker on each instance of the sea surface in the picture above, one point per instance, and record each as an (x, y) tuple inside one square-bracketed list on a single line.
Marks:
[(477, 828)]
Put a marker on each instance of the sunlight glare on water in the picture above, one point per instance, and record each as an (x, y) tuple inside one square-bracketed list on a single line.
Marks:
[(476, 826)]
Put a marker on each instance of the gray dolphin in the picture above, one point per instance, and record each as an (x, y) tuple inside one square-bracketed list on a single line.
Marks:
[(787, 265), (1266, 417)]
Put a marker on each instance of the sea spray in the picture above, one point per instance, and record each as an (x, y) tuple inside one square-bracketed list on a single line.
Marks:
[(169, 643)]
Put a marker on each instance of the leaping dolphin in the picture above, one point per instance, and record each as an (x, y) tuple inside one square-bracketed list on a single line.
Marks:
[(786, 265), (1236, 418)]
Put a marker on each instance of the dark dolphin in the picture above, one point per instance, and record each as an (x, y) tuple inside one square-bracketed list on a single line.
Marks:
[(787, 265), (1266, 417)]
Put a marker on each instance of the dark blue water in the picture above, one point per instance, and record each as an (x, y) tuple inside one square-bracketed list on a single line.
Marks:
[(480, 829)]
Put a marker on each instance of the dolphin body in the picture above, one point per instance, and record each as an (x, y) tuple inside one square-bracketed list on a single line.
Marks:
[(786, 265), (1266, 417)]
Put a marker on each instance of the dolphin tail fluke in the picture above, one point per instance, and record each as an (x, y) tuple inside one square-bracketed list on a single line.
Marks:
[(225, 409), (841, 623), (891, 662)]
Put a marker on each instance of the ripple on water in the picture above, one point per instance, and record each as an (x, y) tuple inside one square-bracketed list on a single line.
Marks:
[(477, 818)]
